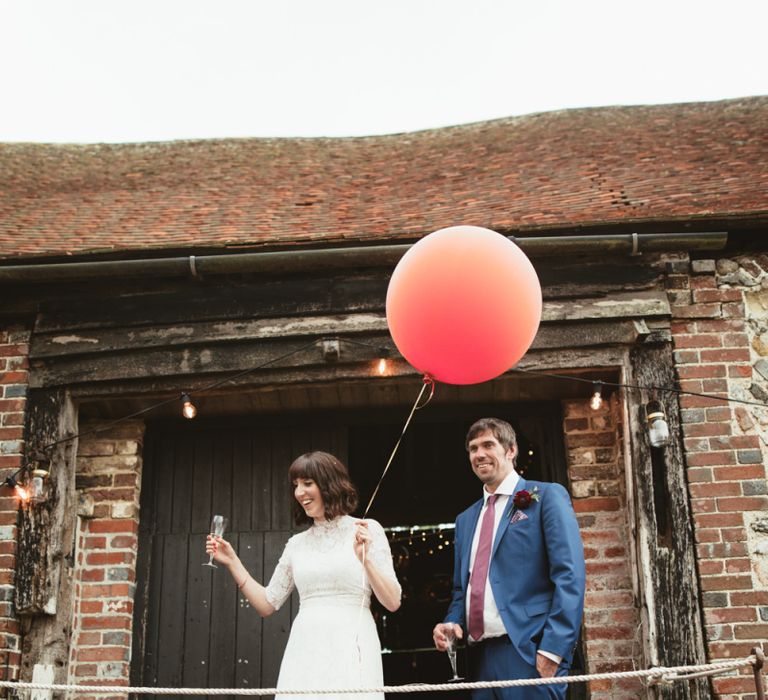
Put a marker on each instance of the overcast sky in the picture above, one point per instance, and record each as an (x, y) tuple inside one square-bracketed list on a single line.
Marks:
[(141, 70)]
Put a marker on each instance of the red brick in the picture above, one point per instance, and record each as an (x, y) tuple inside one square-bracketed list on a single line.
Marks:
[(714, 386), (749, 598), (726, 583), (698, 402), (733, 684), (706, 296), (120, 525), (735, 442), (114, 590), (14, 433), (709, 459), (92, 575), (703, 505), (102, 654), (700, 340), (710, 535), (107, 558), (736, 565), (742, 503), (702, 372), (716, 489), (740, 371), (733, 534), (720, 325), (698, 475), (721, 615), (738, 473), (735, 340), (85, 670), (19, 350), (731, 355), (91, 606), (758, 631), (596, 504), (706, 429), (719, 520), (123, 542), (107, 622), (711, 567), (720, 413), (696, 311)]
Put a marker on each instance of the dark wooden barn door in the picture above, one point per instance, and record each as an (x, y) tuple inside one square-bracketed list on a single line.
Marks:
[(190, 626)]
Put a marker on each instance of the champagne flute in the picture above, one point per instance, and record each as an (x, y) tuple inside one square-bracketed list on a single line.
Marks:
[(450, 635), (218, 523)]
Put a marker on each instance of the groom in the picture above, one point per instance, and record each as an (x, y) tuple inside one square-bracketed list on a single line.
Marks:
[(518, 579)]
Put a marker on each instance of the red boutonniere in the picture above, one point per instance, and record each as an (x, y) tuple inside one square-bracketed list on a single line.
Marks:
[(524, 498)]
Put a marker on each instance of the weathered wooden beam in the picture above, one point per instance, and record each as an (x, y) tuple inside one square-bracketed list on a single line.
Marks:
[(665, 531), (45, 560), (185, 358)]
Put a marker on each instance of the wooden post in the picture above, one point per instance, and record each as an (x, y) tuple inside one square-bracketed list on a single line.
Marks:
[(665, 529), (44, 591), (757, 668)]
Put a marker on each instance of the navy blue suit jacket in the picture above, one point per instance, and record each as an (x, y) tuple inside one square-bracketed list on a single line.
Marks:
[(536, 571)]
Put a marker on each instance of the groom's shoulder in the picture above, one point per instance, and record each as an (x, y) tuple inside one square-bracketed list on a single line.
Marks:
[(467, 511)]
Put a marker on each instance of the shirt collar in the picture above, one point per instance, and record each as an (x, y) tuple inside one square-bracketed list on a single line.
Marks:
[(506, 487)]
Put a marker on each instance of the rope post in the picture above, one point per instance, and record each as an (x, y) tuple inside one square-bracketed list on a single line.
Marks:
[(757, 668)]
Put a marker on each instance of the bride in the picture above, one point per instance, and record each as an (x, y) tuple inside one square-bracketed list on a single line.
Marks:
[(334, 565)]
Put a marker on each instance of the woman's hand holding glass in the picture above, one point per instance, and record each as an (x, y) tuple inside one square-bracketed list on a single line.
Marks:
[(220, 550)]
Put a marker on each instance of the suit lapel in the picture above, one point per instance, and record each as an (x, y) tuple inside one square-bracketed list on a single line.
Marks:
[(508, 510), (469, 532)]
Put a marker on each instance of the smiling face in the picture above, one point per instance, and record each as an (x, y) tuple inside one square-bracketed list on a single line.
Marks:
[(307, 493), (490, 461)]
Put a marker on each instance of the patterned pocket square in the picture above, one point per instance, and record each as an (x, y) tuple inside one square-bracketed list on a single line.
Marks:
[(517, 516)]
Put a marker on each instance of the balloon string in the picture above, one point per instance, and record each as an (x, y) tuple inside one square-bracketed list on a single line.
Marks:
[(428, 381)]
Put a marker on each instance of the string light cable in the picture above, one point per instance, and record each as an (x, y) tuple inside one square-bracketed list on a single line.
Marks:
[(661, 389), (12, 480)]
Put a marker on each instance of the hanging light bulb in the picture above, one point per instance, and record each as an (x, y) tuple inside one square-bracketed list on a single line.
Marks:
[(596, 402), (382, 366), (188, 408), (658, 428), (22, 493)]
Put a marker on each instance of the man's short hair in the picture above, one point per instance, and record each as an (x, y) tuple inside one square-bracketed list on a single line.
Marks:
[(501, 430)]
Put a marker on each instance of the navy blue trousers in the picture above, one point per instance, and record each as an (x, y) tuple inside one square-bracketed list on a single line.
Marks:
[(497, 660)]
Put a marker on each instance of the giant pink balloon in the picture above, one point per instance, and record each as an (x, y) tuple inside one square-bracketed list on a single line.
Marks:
[(463, 304)]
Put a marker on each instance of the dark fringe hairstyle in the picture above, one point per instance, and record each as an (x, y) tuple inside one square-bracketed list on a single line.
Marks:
[(501, 430), (332, 478)]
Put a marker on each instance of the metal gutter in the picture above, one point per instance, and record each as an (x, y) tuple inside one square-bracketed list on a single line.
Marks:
[(344, 258)]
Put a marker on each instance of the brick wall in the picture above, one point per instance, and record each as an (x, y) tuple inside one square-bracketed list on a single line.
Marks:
[(14, 350), (724, 457), (108, 482), (593, 441)]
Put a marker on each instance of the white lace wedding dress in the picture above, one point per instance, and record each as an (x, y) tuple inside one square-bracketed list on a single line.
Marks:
[(333, 641)]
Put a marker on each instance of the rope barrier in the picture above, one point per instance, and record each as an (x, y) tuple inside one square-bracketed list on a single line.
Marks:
[(656, 674)]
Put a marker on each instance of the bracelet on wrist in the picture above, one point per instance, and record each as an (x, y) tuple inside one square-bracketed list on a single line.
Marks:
[(243, 582)]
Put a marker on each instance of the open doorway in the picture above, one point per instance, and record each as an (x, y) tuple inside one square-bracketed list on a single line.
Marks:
[(186, 618)]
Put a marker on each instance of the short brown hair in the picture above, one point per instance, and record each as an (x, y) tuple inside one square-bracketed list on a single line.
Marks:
[(501, 430), (332, 478)]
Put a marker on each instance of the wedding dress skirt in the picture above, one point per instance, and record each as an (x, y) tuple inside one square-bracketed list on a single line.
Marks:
[(333, 641)]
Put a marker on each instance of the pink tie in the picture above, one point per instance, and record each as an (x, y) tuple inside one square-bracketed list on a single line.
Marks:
[(480, 571)]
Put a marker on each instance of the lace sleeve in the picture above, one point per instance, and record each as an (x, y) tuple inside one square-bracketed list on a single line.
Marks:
[(380, 553), (281, 584)]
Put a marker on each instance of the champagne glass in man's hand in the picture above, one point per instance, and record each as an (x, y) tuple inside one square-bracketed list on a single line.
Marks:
[(450, 635), (218, 523)]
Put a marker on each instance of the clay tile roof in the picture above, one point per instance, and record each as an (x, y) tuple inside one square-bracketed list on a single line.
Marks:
[(572, 168)]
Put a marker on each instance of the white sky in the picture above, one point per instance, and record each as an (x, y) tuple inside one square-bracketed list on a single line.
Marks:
[(147, 70)]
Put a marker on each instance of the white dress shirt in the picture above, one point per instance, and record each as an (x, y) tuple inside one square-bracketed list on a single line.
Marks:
[(492, 623)]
